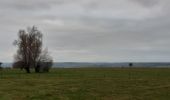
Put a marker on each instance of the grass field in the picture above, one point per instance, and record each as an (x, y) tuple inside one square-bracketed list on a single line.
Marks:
[(86, 84)]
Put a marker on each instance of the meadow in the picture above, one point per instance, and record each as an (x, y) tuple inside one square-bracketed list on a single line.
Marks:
[(86, 84)]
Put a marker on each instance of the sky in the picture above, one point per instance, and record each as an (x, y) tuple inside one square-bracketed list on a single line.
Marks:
[(90, 30)]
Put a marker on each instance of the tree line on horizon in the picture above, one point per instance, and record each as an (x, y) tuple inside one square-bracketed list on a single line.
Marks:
[(30, 53)]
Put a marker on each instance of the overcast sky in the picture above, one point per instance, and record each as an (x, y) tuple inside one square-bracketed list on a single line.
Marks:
[(91, 30)]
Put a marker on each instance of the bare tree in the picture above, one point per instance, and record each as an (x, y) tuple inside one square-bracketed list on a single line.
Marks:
[(22, 52), (45, 61), (29, 50)]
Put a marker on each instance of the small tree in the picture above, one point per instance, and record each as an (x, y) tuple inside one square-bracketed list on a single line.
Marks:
[(45, 61), (29, 51)]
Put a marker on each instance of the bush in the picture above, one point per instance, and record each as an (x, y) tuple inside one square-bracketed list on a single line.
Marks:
[(44, 66)]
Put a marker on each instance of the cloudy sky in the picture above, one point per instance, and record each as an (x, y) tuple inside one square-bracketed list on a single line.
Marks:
[(91, 30)]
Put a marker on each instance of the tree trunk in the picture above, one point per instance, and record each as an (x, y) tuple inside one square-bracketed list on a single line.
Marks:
[(37, 69), (27, 69)]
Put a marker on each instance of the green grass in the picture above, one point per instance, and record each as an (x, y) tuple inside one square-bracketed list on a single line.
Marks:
[(87, 84)]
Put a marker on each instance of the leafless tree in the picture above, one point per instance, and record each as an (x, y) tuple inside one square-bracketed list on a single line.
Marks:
[(22, 52), (29, 51), (45, 61)]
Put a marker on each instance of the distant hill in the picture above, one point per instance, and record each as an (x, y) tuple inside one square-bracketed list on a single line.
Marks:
[(125, 64), (6, 65), (88, 64)]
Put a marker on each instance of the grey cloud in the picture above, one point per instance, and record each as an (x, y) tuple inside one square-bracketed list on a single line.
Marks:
[(147, 3), (91, 30), (29, 4)]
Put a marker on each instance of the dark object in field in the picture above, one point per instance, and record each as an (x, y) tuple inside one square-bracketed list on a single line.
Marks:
[(0, 65), (130, 64)]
